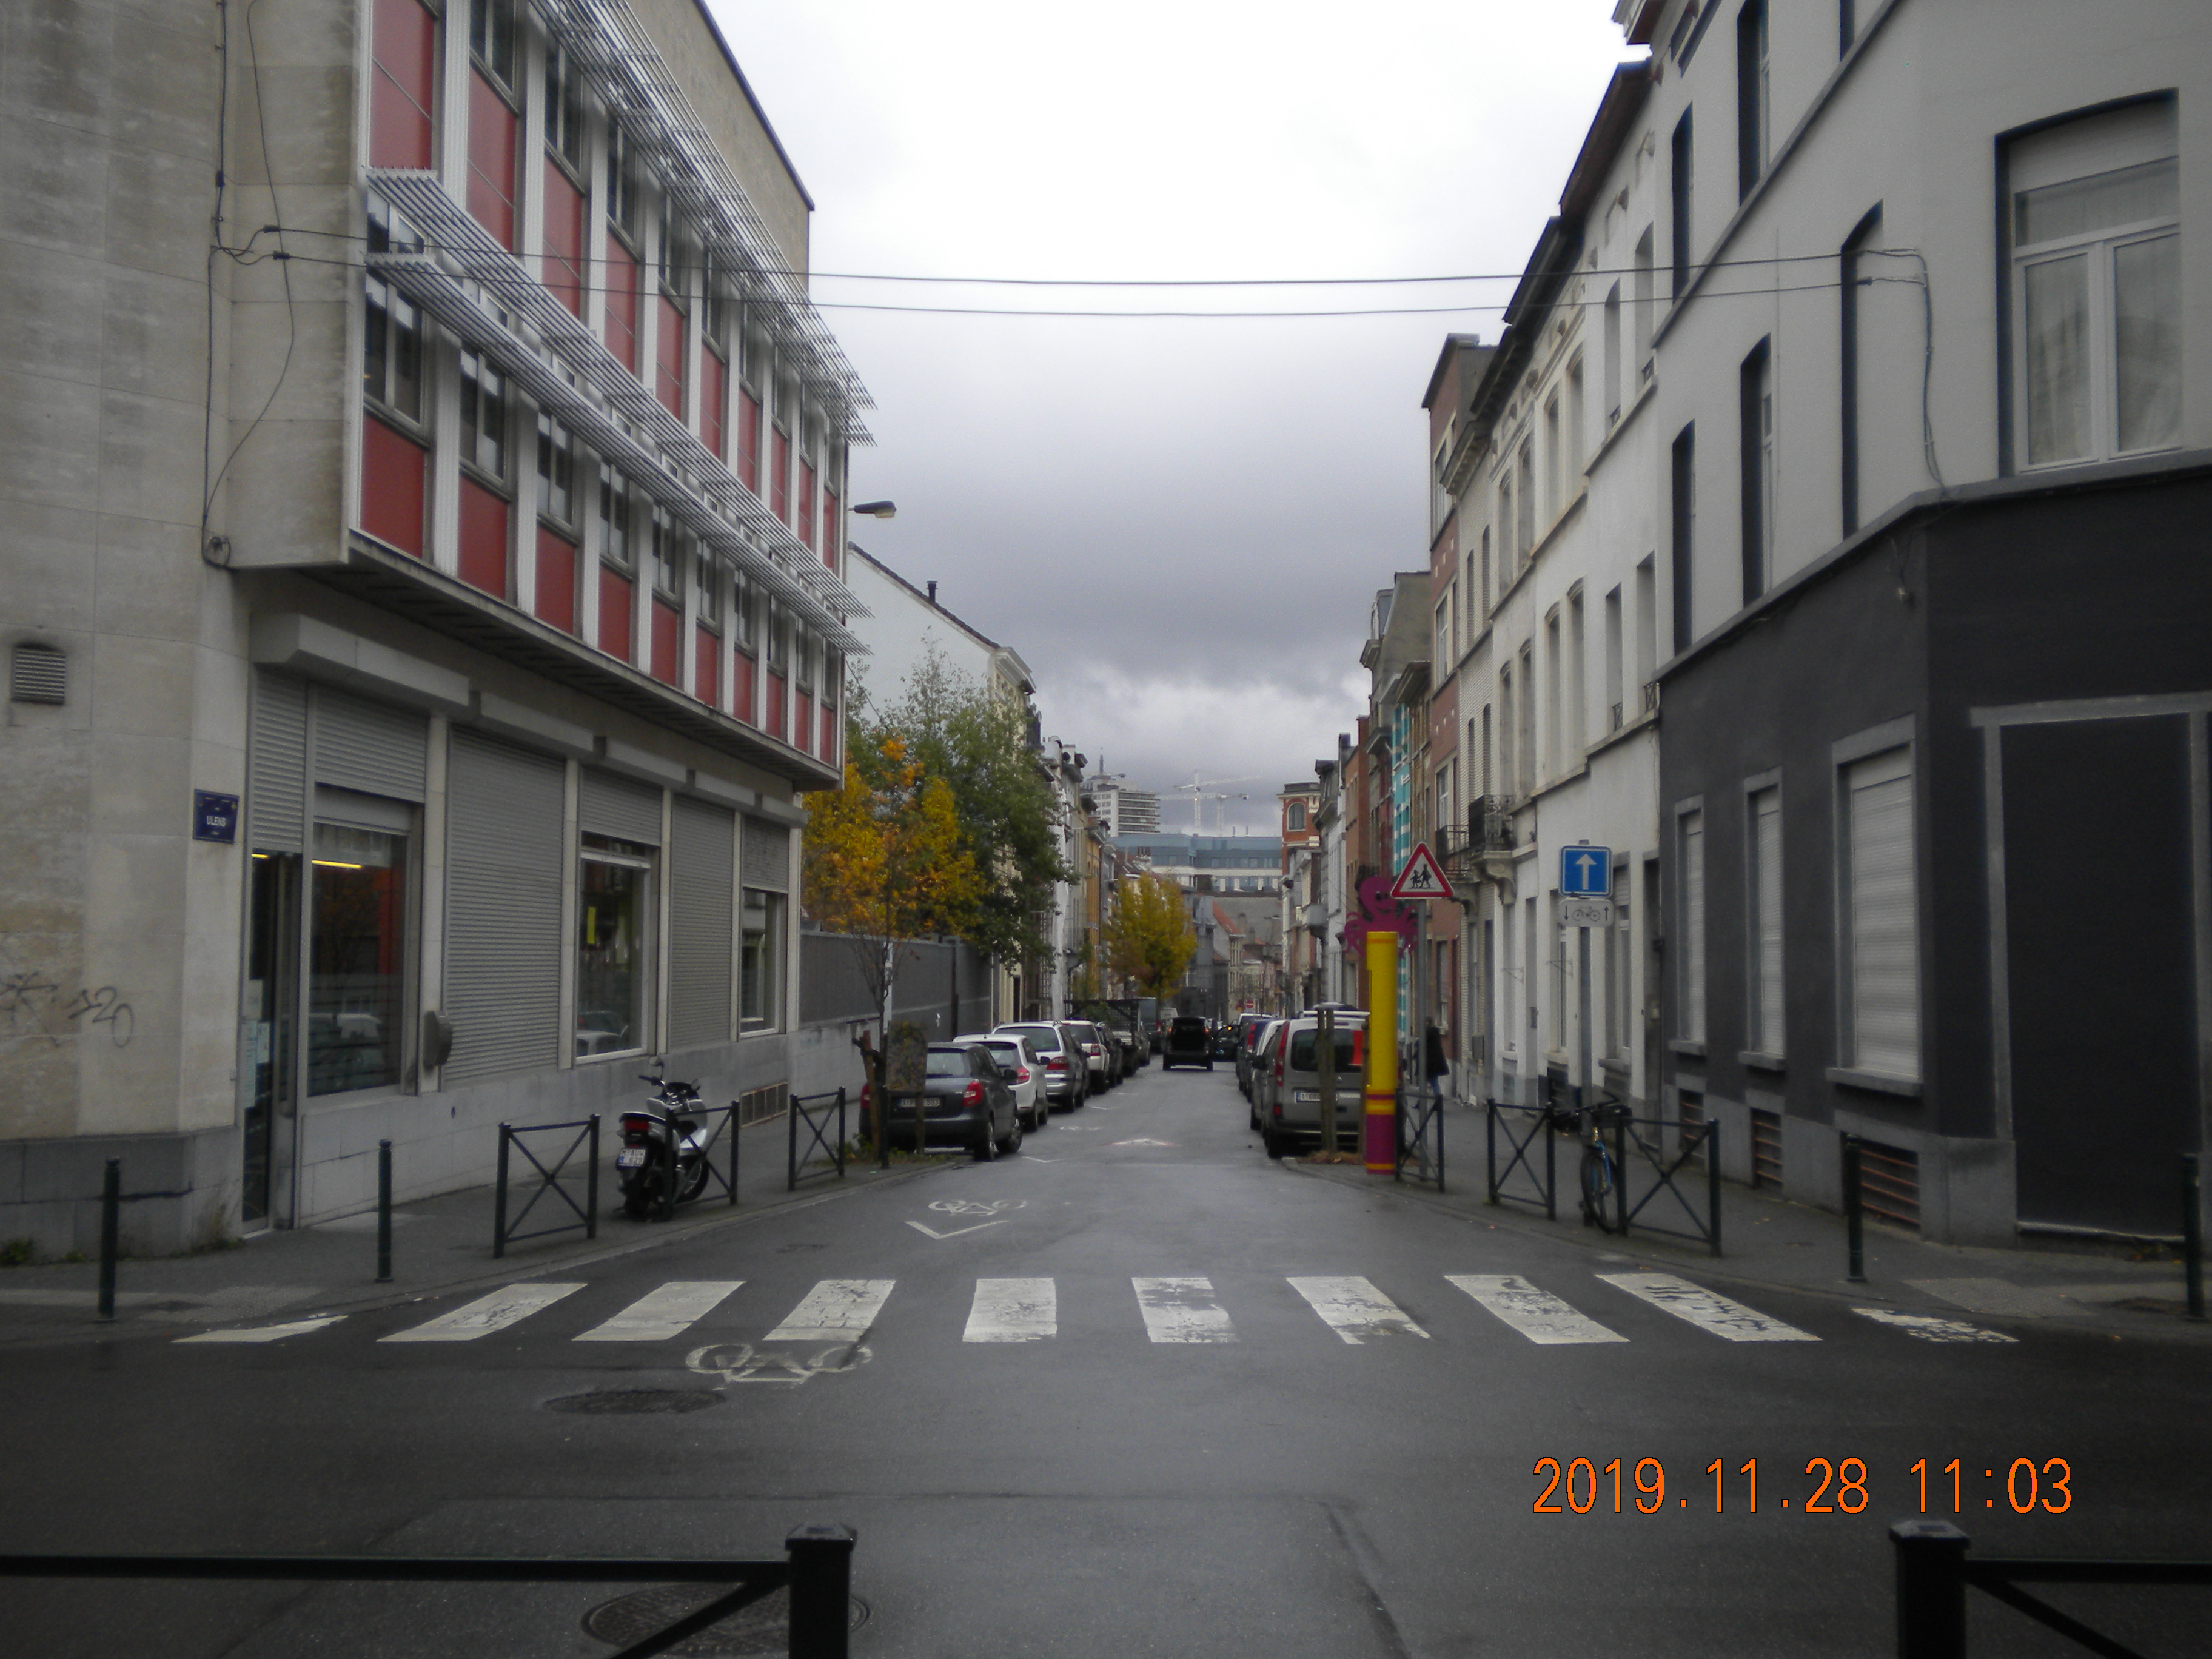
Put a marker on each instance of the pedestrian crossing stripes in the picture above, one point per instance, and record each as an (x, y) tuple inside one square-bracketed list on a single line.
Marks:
[(836, 1310), (1184, 1310), (669, 1311), (1355, 1310), (486, 1314), (1013, 1311), (1537, 1315), (1706, 1310)]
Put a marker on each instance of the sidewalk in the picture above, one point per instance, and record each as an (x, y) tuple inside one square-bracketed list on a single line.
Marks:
[(1768, 1241), (438, 1245)]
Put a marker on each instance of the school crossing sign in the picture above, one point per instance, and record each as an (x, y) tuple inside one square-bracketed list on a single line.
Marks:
[(1423, 877)]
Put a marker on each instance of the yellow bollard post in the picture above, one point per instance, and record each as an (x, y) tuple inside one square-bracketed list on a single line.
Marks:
[(1379, 1133)]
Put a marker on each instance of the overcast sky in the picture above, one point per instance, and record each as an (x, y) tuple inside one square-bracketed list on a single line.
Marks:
[(1178, 524)]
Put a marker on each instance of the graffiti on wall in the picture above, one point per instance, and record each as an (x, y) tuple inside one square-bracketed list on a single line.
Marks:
[(34, 1006)]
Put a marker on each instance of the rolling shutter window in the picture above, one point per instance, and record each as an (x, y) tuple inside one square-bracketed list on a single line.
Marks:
[(370, 747), (277, 764), (1884, 965), (768, 855), (504, 868), (609, 806), (1766, 919), (702, 857), (1691, 828)]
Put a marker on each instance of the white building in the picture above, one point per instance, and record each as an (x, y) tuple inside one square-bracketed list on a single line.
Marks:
[(906, 625)]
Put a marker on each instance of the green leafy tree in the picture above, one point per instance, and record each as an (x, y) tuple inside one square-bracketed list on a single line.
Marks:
[(1149, 937)]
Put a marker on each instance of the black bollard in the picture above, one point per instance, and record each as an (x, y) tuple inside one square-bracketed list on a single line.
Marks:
[(111, 1217), (383, 1213), (821, 1595)]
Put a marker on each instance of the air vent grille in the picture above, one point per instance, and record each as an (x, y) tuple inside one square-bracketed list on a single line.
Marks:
[(37, 673)]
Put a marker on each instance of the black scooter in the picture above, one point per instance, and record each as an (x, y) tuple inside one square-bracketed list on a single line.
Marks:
[(644, 1159)]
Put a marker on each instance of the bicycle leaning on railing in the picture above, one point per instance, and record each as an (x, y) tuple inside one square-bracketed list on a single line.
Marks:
[(1604, 1189)]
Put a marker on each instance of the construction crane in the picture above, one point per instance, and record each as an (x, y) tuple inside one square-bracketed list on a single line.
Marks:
[(1201, 790)]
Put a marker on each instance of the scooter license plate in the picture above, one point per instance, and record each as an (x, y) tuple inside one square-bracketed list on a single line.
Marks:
[(630, 1158)]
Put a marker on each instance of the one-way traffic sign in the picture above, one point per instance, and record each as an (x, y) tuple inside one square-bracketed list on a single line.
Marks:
[(1423, 877), (1585, 872)]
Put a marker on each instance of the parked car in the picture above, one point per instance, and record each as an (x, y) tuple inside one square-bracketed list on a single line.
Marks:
[(1188, 1043), (1223, 1042), (1018, 1058), (1092, 1042), (1264, 1051), (1291, 1117), (1250, 1029), (965, 1101), (1067, 1079)]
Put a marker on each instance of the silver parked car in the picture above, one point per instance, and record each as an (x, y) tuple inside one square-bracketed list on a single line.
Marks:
[(1067, 1079), (1287, 1100), (1018, 1058)]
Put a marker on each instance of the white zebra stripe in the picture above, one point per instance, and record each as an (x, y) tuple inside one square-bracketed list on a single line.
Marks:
[(266, 1333), (1355, 1310), (486, 1314), (1706, 1310), (1537, 1315), (1182, 1310), (1013, 1311), (670, 1310), (835, 1310)]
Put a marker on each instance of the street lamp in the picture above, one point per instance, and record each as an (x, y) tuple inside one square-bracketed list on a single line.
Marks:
[(875, 510)]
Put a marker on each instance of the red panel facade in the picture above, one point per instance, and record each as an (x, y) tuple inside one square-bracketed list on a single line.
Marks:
[(667, 639), (830, 526), (622, 305), (484, 538), (779, 476), (669, 350), (393, 469), (806, 504), (802, 723), (617, 593), (402, 87), (556, 580), (493, 128), (706, 667), (565, 263), (774, 723), (749, 429), (741, 687), (714, 404)]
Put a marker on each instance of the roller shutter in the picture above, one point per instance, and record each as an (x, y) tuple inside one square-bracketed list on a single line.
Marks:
[(370, 746), (503, 881), (767, 856), (277, 764), (1766, 891), (1691, 829), (609, 806), (701, 860), (1884, 956)]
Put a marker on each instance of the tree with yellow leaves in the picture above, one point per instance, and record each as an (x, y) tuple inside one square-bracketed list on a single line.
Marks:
[(1149, 937), (885, 860)]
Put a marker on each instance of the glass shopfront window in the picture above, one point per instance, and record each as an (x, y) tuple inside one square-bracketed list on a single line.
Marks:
[(614, 947), (759, 991), (356, 957)]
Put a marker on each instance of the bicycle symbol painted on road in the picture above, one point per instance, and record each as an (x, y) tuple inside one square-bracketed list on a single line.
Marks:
[(971, 1207), (740, 1362)]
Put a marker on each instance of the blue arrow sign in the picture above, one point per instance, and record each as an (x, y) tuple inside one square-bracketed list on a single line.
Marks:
[(1586, 873)]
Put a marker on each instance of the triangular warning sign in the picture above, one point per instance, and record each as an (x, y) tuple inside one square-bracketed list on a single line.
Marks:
[(1423, 877)]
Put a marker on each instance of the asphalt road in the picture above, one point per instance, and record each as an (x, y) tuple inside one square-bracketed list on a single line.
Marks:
[(1129, 1467)]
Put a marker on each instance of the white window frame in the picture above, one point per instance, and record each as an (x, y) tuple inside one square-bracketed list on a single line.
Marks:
[(1690, 953), (1875, 760), (1767, 978)]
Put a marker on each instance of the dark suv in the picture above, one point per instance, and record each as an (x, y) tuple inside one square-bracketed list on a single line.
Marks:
[(1188, 1043)]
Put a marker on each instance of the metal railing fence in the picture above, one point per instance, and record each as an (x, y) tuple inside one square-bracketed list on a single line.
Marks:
[(1934, 1571), (816, 1568), (505, 1232), (817, 1122), (1524, 1127)]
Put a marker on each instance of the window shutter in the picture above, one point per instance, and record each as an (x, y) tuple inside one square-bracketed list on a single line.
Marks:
[(1766, 806), (367, 746), (702, 860), (1693, 833), (503, 880), (277, 764), (609, 806), (1885, 969), (767, 856)]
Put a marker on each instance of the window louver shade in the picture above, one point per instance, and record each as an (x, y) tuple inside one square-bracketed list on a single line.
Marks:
[(37, 673), (504, 871)]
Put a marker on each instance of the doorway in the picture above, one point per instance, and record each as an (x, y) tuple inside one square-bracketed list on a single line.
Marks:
[(271, 1021)]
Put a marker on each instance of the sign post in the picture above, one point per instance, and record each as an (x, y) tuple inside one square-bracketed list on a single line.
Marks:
[(1586, 902), (1378, 1131)]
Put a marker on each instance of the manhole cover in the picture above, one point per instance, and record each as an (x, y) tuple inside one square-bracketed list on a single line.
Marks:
[(763, 1627), (635, 1402)]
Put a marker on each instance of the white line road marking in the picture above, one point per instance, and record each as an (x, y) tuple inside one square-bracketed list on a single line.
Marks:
[(1537, 1315), (1013, 1311), (955, 1232), (1141, 1141), (1182, 1310), (1355, 1310), (976, 1206), (835, 1310), (266, 1333), (669, 1311), (1706, 1310), (486, 1314), (1928, 1328)]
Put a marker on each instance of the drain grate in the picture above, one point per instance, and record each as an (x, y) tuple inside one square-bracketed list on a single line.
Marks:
[(636, 1402), (763, 1627)]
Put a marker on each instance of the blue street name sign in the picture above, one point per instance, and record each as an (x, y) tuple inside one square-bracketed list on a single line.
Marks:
[(215, 817), (1585, 873)]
